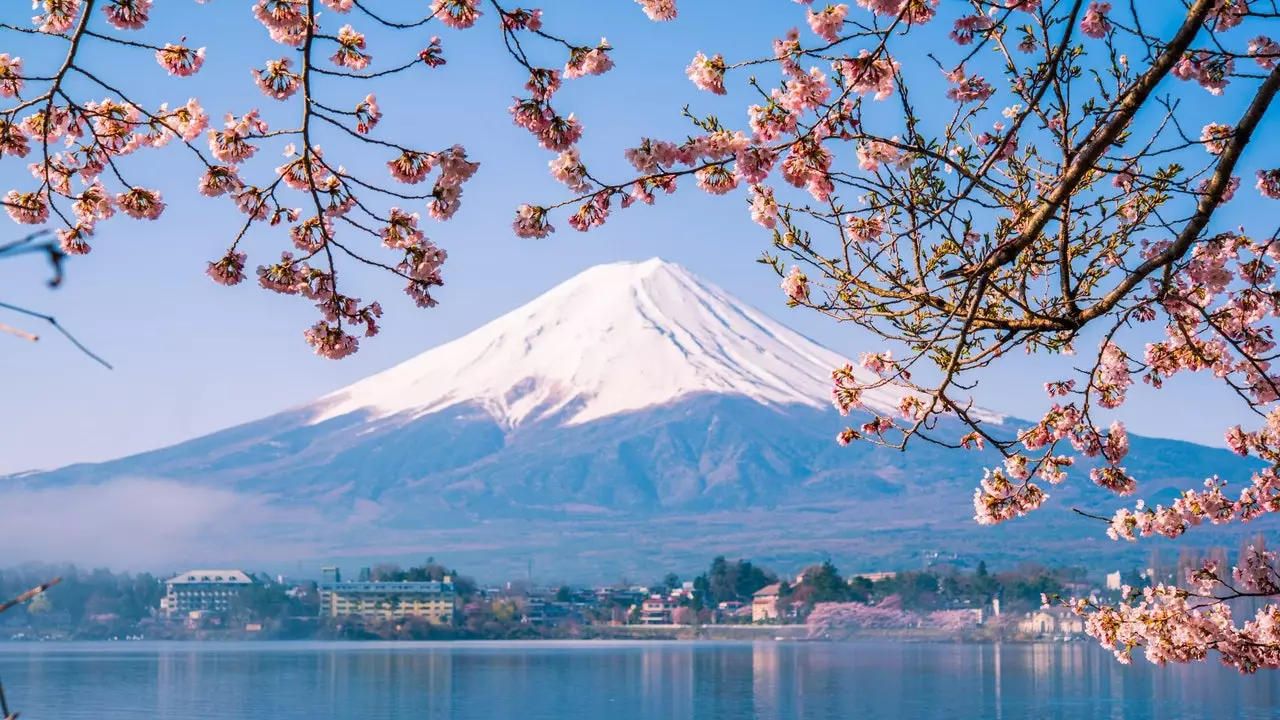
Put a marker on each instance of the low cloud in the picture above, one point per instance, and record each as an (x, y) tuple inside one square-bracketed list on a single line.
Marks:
[(140, 523)]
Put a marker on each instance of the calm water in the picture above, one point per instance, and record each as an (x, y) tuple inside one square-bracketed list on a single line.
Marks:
[(608, 681)]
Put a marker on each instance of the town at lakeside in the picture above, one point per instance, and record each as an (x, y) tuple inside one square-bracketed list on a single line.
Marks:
[(947, 599)]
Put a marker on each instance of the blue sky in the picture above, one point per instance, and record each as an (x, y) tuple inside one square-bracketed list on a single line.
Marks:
[(192, 357)]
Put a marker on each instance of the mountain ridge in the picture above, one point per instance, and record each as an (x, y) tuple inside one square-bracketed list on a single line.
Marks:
[(630, 400)]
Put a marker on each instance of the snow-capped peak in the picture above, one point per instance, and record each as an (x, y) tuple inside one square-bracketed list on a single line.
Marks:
[(613, 339)]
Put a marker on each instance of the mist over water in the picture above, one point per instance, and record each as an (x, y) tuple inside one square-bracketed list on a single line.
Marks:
[(617, 681)]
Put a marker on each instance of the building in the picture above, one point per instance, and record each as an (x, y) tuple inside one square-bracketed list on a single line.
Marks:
[(203, 591), (1113, 580), (764, 603), (658, 610), (433, 601), (875, 576), (1051, 621)]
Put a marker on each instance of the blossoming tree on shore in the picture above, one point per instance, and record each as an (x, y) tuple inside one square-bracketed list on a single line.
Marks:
[(1074, 176), (76, 127)]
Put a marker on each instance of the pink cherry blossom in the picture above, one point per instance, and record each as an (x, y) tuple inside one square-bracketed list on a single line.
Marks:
[(1264, 51), (276, 81), (127, 14), (968, 88), (140, 203), (1215, 137), (659, 10), (412, 167), (796, 285), (457, 14), (229, 270), (568, 169), (592, 61), (764, 208), (180, 60), (56, 16), (1269, 183), (351, 50), (27, 208), (828, 23), (10, 75), (869, 73), (1227, 14), (367, 114), (1095, 23), (969, 26), (531, 222), (707, 73)]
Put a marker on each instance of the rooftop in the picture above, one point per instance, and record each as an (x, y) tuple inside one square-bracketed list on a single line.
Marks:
[(225, 577), (384, 587), (769, 590)]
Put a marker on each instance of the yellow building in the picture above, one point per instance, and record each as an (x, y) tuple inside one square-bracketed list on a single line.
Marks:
[(433, 601)]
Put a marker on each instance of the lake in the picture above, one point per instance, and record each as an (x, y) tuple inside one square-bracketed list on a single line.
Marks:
[(612, 681)]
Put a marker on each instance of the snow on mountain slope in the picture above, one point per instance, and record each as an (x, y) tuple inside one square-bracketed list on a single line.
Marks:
[(613, 339)]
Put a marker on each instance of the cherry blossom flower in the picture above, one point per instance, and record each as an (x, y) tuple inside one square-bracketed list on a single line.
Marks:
[(1264, 51), (457, 14), (1227, 14), (127, 14), (10, 75), (1095, 23), (659, 10), (56, 16), (27, 208), (568, 169), (180, 60), (707, 73), (351, 50), (1269, 183), (764, 208), (828, 22), (140, 203), (275, 81), (796, 285), (588, 61), (412, 167), (968, 88), (531, 222), (1215, 137), (367, 114), (229, 270)]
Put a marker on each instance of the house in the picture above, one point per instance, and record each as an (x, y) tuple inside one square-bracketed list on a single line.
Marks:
[(206, 591), (764, 603), (658, 610), (1051, 622)]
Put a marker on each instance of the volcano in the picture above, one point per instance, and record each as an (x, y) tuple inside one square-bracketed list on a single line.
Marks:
[(633, 419)]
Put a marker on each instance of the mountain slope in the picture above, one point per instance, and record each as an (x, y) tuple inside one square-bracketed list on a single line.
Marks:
[(632, 418), (614, 339)]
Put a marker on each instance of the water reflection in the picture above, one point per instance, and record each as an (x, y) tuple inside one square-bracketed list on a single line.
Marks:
[(654, 681)]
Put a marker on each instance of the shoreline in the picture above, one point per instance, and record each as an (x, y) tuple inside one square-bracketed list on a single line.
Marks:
[(785, 634)]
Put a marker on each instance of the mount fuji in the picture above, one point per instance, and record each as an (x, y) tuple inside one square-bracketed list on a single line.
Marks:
[(634, 419)]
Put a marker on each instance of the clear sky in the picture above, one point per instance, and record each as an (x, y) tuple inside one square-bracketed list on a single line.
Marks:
[(192, 357)]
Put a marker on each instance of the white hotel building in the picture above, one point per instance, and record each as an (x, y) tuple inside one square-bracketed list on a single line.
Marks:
[(209, 591)]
